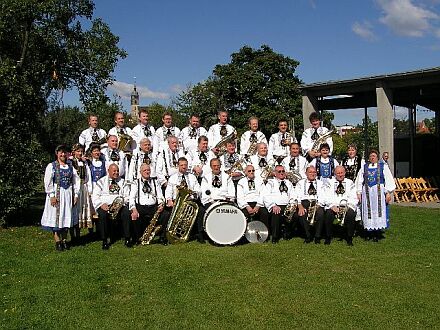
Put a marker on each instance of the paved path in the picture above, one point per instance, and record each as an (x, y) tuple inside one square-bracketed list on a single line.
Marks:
[(431, 205)]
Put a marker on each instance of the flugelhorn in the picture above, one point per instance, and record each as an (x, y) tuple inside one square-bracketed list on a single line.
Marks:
[(221, 146)]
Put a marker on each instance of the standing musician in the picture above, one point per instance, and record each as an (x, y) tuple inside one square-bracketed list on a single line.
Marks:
[(106, 192), (189, 136), (167, 161), (142, 155), (311, 191), (123, 132), (278, 193), (250, 196), (352, 162), (185, 179), (199, 158), (261, 162), (166, 131), (232, 163), (145, 199), (250, 139), (113, 155), (279, 142), (311, 134), (219, 131), (324, 164), (144, 129), (295, 164), (375, 185), (92, 134), (216, 186), (340, 194), (61, 184)]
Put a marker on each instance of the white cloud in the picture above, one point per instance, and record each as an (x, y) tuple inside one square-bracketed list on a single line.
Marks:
[(176, 89), (124, 90), (364, 30), (406, 18)]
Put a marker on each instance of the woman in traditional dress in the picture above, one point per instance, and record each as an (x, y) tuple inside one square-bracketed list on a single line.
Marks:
[(61, 183), (375, 185), (82, 216)]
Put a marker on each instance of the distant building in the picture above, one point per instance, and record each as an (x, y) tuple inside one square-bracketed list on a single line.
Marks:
[(134, 100), (342, 130)]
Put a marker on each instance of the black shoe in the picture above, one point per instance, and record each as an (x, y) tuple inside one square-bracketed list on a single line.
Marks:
[(307, 240), (128, 243), (327, 241), (65, 245), (375, 239), (105, 246), (317, 240), (201, 240), (59, 246), (350, 242), (163, 241), (274, 241)]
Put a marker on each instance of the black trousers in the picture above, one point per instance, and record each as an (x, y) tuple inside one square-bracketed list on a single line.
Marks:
[(166, 213), (276, 220), (318, 222), (349, 222), (262, 215), (109, 228)]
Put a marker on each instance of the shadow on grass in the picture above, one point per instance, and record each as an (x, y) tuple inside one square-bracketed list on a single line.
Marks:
[(30, 216)]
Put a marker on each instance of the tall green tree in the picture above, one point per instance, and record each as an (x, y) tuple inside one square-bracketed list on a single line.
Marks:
[(257, 82), (45, 46)]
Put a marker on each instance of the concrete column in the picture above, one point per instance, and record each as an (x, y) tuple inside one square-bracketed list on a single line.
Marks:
[(309, 105), (384, 98)]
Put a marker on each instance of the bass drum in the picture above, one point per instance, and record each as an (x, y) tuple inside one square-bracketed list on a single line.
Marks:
[(224, 223)]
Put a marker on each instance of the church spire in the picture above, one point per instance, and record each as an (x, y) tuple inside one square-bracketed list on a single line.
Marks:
[(134, 95)]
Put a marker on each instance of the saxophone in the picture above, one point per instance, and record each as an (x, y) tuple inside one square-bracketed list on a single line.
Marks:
[(340, 216), (115, 206), (183, 216), (321, 140), (311, 212), (151, 229), (290, 210), (221, 146)]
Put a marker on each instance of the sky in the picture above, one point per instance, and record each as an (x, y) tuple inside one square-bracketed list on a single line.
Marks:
[(174, 44)]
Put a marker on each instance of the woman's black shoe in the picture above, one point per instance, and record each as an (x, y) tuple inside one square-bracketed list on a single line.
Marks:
[(59, 246)]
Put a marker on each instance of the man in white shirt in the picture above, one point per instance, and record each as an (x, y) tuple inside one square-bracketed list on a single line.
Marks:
[(190, 134), (92, 134), (144, 129), (167, 161), (279, 142), (123, 133), (311, 135), (142, 155), (295, 164), (250, 139), (113, 155), (219, 131), (167, 130), (199, 158), (262, 164), (106, 190)]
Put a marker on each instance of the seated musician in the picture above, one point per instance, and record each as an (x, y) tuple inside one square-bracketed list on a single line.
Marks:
[(260, 161), (339, 189), (250, 196), (142, 155), (295, 164), (106, 190), (278, 193), (216, 186), (145, 199), (199, 158), (310, 193), (324, 164), (113, 155), (230, 163), (167, 161), (180, 179)]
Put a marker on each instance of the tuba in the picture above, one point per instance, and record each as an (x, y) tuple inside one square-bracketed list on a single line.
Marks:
[(239, 165), (267, 171), (115, 206), (311, 212), (290, 210), (321, 140), (340, 216), (151, 229), (183, 216), (221, 146)]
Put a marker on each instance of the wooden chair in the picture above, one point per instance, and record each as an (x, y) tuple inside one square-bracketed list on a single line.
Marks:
[(400, 193), (417, 193), (431, 192), (405, 183)]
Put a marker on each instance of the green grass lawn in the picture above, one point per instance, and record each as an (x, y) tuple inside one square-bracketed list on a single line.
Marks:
[(391, 284)]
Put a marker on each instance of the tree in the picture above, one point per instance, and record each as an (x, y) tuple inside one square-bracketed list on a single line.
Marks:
[(257, 82), (44, 48)]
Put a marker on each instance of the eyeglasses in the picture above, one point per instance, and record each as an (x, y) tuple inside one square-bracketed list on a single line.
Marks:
[(281, 171), (251, 170)]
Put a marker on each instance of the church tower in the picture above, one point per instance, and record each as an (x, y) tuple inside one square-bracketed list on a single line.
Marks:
[(134, 103)]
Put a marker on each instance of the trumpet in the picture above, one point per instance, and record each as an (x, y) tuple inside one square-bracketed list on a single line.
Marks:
[(290, 210), (311, 212), (342, 211)]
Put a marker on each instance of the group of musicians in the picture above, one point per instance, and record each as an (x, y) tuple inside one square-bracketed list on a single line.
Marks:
[(124, 179)]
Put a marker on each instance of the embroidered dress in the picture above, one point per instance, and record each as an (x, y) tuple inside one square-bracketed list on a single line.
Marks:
[(60, 181), (82, 213), (374, 181)]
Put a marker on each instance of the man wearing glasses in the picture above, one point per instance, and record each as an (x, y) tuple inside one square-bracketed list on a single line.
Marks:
[(279, 192), (250, 198)]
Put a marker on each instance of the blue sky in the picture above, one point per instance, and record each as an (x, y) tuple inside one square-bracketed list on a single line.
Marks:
[(172, 44)]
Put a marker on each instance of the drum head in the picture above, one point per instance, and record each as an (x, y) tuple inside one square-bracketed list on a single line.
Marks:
[(224, 223), (257, 232)]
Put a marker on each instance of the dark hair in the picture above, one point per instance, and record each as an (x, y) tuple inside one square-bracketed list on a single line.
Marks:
[(324, 146), (314, 116), (181, 159), (202, 138), (61, 147)]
